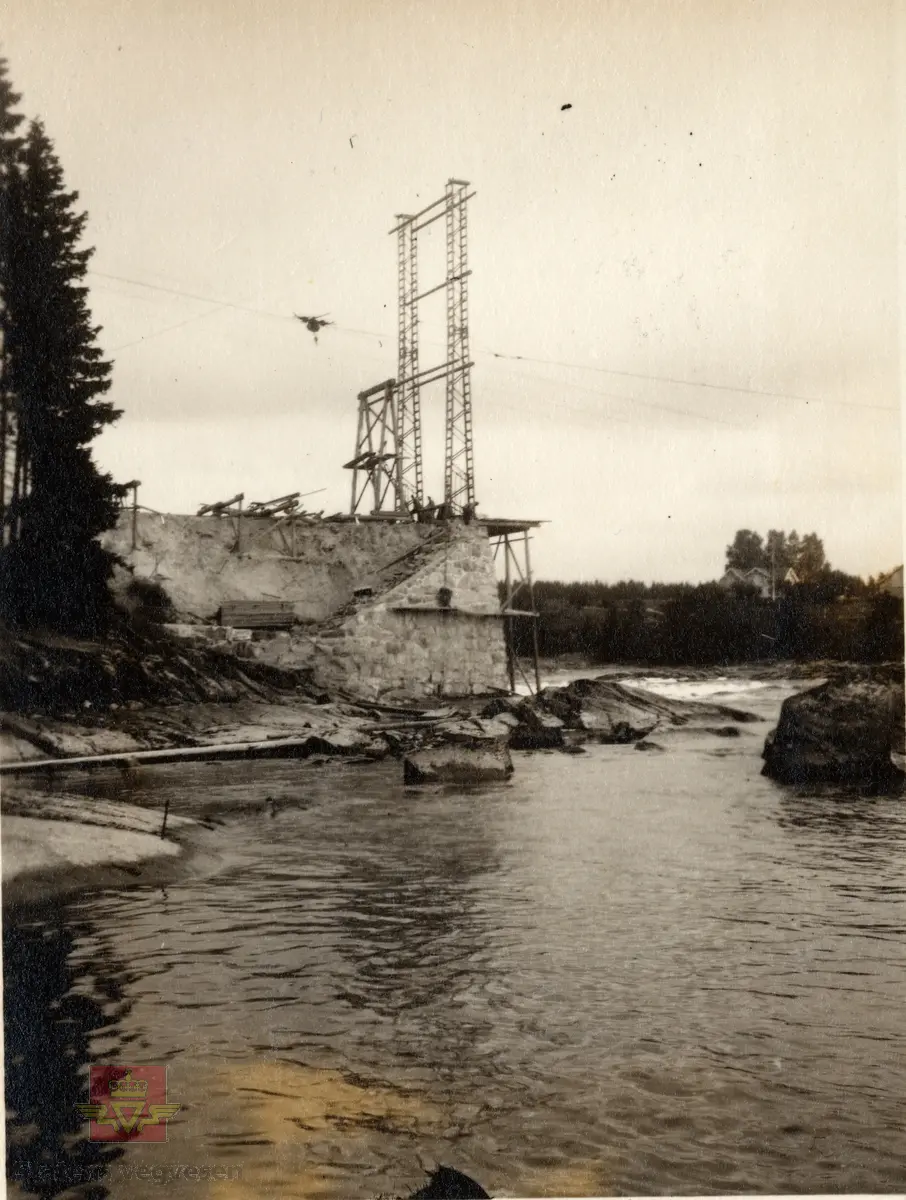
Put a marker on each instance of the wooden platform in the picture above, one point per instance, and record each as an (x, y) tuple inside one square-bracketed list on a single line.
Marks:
[(256, 614)]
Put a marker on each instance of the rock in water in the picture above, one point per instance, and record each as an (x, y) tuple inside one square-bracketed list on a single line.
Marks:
[(459, 763), (532, 728), (600, 710), (449, 1184), (839, 732)]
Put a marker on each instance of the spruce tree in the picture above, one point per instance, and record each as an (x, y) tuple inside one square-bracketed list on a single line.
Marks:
[(54, 573), (10, 146)]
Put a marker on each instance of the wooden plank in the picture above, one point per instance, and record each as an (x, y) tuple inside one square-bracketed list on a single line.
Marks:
[(257, 606), (288, 747), (257, 614), (258, 622)]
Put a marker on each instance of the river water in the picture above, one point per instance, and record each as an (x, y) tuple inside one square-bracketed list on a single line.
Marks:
[(617, 973)]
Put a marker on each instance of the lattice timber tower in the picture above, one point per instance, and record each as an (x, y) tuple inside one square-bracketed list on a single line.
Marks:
[(389, 441)]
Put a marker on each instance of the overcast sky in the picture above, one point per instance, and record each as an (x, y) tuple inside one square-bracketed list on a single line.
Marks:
[(689, 275)]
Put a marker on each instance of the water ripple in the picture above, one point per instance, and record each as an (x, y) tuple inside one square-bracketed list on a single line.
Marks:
[(620, 973)]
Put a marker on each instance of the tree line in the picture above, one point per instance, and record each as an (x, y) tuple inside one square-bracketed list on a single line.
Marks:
[(53, 380), (831, 615)]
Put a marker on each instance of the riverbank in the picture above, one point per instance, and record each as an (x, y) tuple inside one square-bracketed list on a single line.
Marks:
[(62, 842), (54, 844), (55, 841)]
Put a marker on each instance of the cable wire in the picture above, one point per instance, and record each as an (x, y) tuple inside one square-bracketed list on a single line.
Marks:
[(552, 362)]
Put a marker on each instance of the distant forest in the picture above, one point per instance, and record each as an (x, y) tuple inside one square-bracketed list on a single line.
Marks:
[(835, 616)]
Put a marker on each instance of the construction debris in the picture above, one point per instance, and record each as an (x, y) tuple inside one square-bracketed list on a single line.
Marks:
[(270, 508), (220, 507)]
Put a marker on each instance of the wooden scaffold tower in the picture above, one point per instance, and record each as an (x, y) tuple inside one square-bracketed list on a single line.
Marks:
[(398, 423)]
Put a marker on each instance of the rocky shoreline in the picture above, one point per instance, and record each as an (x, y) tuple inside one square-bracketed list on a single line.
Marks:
[(125, 705), (88, 707), (153, 700), (601, 710)]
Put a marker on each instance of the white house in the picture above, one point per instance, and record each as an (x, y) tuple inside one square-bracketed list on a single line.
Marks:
[(757, 577), (892, 583)]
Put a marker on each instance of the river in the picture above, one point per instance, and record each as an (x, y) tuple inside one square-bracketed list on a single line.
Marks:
[(617, 973)]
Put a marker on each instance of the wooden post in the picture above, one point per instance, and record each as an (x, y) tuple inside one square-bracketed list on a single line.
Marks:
[(292, 534), (4, 412), (362, 418), (163, 828), (135, 514), (382, 447), (398, 461), (531, 592), (508, 621), (239, 527), (18, 491)]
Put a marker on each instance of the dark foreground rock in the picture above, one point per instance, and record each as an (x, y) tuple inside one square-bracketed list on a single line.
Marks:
[(446, 1183), (839, 732)]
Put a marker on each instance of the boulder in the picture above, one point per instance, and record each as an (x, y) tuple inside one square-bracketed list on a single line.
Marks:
[(508, 719), (504, 704), (537, 730), (650, 746), (605, 710), (839, 732), (483, 761)]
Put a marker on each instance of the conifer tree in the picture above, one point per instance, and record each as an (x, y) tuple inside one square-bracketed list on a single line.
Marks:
[(54, 573), (10, 146)]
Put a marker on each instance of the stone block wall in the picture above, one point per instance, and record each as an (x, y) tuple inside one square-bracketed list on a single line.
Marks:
[(404, 642)]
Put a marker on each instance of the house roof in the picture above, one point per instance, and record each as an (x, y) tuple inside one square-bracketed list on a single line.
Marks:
[(893, 579)]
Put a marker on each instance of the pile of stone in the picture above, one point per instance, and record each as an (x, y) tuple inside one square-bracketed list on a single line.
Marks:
[(602, 710), (558, 718)]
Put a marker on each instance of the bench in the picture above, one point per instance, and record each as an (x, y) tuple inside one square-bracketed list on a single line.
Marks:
[(256, 614)]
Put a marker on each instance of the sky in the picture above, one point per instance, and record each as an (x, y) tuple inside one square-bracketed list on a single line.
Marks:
[(684, 310)]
